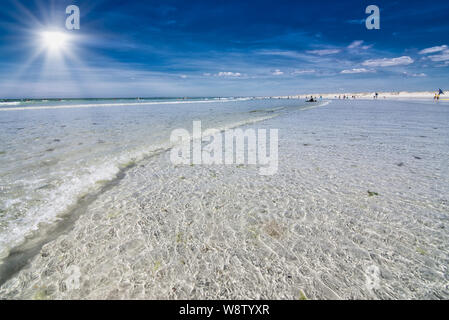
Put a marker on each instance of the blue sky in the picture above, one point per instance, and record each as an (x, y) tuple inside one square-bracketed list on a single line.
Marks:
[(222, 48)]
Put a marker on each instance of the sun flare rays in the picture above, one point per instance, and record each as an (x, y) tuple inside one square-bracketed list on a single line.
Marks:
[(54, 40)]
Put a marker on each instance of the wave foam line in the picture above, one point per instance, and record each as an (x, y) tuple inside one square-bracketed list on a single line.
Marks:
[(16, 103), (102, 105)]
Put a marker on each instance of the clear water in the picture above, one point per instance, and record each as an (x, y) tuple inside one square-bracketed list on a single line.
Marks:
[(53, 152), (359, 209)]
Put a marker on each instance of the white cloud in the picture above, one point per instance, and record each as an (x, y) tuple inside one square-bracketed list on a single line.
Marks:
[(433, 49), (358, 45), (324, 51), (277, 72), (183, 76), (405, 60), (443, 56), (303, 71), (357, 70), (414, 75), (355, 44), (229, 74)]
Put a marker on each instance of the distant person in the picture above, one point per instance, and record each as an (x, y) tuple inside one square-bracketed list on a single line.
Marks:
[(440, 92)]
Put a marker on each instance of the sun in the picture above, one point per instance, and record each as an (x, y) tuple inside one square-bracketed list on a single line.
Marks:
[(54, 40)]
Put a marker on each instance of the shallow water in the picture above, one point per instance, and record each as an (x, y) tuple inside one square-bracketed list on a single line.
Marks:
[(54, 152), (358, 209)]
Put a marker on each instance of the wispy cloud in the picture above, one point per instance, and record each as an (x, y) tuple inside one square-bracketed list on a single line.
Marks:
[(358, 44), (290, 54), (414, 75), (303, 71), (355, 44), (300, 56), (324, 52), (356, 70), (229, 74), (443, 56), (385, 62), (277, 72), (445, 64), (433, 49), (223, 74)]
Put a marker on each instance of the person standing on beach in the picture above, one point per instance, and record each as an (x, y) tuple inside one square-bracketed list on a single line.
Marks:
[(439, 93)]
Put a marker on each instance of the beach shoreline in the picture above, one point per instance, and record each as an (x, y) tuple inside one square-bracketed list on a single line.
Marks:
[(390, 95)]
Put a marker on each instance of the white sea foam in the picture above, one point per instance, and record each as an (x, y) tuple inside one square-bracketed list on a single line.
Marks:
[(119, 104), (12, 103)]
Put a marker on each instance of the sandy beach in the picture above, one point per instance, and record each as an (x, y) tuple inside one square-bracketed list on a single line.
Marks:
[(390, 95), (357, 210)]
